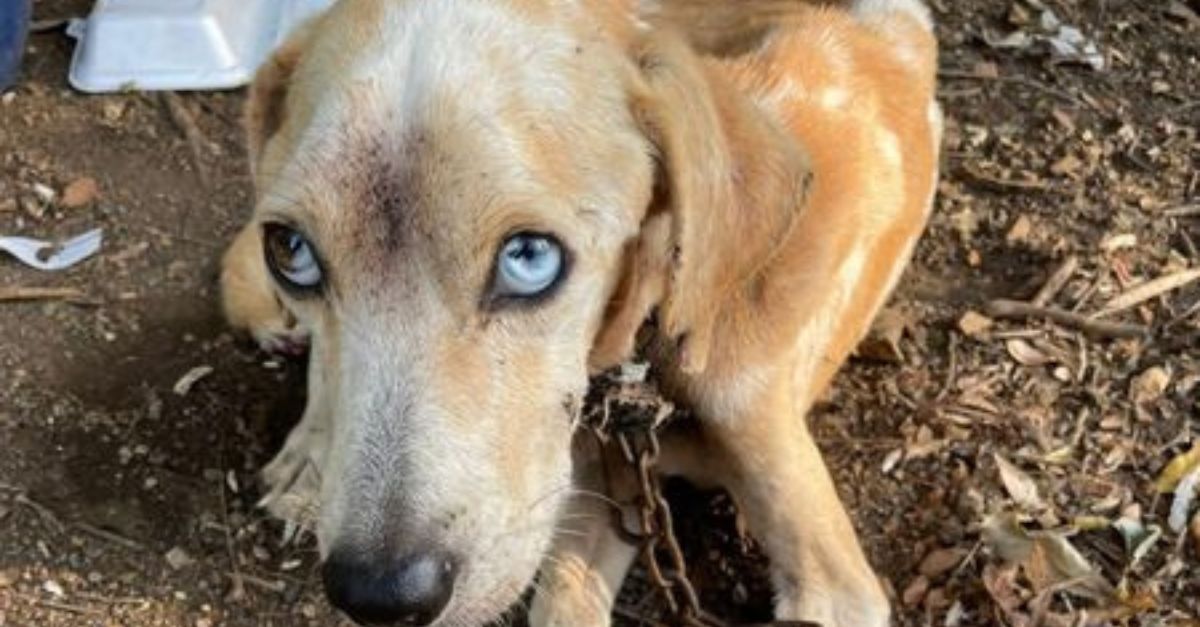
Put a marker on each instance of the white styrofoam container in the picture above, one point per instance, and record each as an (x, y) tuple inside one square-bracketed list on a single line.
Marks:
[(180, 44)]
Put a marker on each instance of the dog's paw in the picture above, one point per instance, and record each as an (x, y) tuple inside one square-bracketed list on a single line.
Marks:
[(293, 487), (570, 595), (859, 606)]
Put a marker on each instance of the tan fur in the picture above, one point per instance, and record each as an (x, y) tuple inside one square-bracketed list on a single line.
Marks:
[(795, 156)]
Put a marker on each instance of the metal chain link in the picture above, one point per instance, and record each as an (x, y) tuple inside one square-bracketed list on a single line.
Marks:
[(636, 435)]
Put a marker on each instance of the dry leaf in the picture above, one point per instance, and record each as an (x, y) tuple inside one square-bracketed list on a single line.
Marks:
[(915, 591), (80, 192), (973, 323), (1047, 557), (1150, 385), (1020, 486), (1020, 230), (1067, 166), (1177, 469), (1139, 538), (1025, 354), (1181, 506), (1113, 243), (1196, 533), (941, 561), (1001, 584)]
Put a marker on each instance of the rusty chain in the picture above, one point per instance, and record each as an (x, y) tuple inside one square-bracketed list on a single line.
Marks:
[(635, 433)]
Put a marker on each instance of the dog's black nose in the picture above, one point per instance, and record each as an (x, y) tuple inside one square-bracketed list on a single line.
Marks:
[(411, 592)]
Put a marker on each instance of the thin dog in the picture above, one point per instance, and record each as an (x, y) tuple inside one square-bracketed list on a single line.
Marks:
[(467, 206)]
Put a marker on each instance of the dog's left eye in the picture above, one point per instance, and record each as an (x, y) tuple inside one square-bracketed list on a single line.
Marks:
[(528, 264)]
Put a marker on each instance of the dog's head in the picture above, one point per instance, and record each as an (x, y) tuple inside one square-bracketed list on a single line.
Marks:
[(468, 203)]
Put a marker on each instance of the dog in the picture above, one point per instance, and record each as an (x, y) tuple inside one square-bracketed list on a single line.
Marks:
[(468, 206)]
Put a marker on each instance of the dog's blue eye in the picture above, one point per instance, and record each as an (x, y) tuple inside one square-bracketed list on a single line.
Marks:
[(291, 257), (528, 264)]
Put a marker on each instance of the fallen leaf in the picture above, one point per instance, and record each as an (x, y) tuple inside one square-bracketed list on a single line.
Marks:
[(1048, 558), (915, 591), (1020, 230), (1150, 385), (973, 323), (1025, 354), (178, 559), (891, 460), (1178, 468), (1001, 584), (80, 192), (53, 588), (1067, 166), (940, 561), (1181, 505), (1182, 11), (1196, 533), (1020, 486), (986, 69), (1138, 537), (1120, 241)]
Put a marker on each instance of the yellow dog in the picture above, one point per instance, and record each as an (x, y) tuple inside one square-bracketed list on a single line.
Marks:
[(469, 205)]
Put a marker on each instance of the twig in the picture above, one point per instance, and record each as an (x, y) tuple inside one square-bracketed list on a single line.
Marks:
[(1017, 80), (183, 119), (18, 293), (1000, 184), (1188, 313), (43, 512), (1148, 290), (60, 607), (1056, 282), (238, 588), (1003, 308), (952, 369), (276, 586), (110, 536), (1183, 211), (99, 598)]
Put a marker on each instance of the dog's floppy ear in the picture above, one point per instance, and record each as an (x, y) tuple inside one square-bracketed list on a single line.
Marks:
[(732, 184), (266, 102)]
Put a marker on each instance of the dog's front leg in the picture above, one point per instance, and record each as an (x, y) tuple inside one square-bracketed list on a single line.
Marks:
[(293, 476), (581, 576), (779, 479)]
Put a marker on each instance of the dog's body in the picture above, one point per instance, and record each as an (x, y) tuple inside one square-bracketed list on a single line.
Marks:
[(760, 185)]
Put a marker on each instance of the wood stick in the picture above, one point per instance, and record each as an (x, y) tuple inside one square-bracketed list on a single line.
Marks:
[(23, 294), (1182, 211), (1003, 308), (1141, 293), (1056, 282), (109, 536)]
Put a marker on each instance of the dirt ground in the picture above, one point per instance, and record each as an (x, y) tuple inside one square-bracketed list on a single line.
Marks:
[(985, 458)]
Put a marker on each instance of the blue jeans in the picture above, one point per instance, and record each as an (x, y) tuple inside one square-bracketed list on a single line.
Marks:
[(14, 26)]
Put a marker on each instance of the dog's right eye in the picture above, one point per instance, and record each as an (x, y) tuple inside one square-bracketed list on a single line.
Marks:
[(291, 258)]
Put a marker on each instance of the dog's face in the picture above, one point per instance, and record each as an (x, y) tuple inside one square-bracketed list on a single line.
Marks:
[(466, 203), (445, 197)]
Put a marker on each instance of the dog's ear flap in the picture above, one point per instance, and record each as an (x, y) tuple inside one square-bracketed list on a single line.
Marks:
[(267, 95), (732, 184)]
